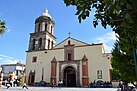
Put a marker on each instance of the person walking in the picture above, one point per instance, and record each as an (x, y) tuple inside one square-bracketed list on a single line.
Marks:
[(61, 83), (8, 85), (24, 86), (6, 82), (53, 83)]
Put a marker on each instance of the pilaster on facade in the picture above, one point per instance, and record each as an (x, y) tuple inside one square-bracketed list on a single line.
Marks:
[(53, 70), (85, 78)]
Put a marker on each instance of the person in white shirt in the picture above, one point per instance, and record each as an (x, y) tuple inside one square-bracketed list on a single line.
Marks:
[(25, 86)]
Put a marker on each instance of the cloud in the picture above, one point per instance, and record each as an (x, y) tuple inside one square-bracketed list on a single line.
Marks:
[(8, 29), (8, 60), (4, 56), (107, 48), (108, 40), (108, 37)]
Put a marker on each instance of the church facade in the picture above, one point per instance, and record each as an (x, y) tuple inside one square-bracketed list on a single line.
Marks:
[(74, 62)]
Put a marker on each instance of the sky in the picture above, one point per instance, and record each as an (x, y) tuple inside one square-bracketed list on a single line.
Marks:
[(20, 16)]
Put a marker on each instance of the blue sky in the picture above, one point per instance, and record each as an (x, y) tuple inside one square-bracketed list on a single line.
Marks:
[(20, 16)]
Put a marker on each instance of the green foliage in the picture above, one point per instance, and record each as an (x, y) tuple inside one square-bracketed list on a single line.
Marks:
[(2, 27), (122, 60), (121, 15)]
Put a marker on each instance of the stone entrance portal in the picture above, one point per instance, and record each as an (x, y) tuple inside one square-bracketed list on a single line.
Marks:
[(69, 77)]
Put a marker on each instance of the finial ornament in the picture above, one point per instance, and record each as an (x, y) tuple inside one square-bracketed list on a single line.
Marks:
[(46, 13), (69, 33)]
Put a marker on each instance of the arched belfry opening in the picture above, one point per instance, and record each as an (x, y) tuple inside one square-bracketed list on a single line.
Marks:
[(33, 45), (40, 43), (69, 77), (43, 35), (46, 27)]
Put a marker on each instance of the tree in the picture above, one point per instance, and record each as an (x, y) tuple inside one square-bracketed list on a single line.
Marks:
[(122, 60), (2, 27), (121, 16)]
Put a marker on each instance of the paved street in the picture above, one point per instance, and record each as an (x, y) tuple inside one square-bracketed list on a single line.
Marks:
[(56, 89)]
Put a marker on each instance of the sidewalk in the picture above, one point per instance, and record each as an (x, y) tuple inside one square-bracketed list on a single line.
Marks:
[(56, 89)]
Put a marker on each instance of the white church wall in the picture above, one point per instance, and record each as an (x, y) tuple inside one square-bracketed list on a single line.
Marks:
[(95, 62), (43, 60), (58, 54)]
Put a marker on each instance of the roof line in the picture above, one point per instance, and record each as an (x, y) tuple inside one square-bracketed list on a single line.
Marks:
[(73, 39), (80, 46)]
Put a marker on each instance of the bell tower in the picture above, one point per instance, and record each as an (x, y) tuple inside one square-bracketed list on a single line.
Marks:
[(43, 36)]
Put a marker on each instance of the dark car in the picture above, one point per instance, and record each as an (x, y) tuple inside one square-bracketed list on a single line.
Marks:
[(99, 84), (42, 83), (36, 84)]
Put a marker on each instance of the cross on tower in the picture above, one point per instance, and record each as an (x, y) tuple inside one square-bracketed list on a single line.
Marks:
[(69, 33)]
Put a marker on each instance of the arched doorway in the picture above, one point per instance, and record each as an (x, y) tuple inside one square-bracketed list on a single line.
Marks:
[(69, 77)]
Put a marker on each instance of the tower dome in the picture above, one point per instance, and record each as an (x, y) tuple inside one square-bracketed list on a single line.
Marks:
[(43, 36), (46, 14), (44, 17)]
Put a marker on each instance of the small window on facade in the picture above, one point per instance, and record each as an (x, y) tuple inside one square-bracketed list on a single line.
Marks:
[(69, 42), (39, 27), (46, 27), (69, 56), (99, 74), (34, 59)]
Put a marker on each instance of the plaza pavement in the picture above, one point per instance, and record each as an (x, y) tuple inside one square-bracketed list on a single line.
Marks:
[(55, 89)]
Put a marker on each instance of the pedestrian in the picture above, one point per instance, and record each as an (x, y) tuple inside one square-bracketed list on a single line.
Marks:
[(52, 83), (118, 88), (11, 83), (8, 85), (25, 86), (6, 82), (61, 83), (14, 82)]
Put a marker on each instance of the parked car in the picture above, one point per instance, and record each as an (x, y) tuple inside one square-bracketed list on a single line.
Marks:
[(40, 84), (99, 84)]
